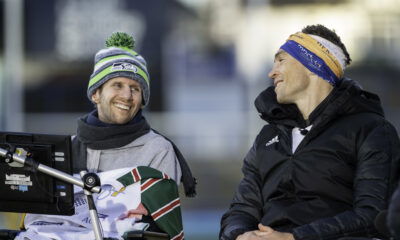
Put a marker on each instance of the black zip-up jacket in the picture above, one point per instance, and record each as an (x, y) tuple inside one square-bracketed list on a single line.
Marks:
[(335, 183), (394, 215)]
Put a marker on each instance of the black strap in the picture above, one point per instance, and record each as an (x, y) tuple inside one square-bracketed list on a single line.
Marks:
[(79, 160), (189, 182)]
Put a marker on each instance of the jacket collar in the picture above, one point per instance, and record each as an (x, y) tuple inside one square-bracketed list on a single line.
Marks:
[(347, 98)]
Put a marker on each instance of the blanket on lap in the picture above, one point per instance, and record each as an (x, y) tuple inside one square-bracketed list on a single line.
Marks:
[(126, 195)]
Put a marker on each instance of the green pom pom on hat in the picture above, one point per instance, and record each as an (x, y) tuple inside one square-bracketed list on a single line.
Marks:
[(119, 59), (122, 40)]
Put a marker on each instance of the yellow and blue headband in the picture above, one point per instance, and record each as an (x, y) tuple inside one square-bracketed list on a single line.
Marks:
[(314, 56)]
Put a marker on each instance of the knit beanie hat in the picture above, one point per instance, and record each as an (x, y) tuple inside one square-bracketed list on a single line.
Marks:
[(119, 59)]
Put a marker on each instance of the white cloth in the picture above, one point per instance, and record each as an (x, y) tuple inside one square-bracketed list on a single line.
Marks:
[(297, 137), (78, 226)]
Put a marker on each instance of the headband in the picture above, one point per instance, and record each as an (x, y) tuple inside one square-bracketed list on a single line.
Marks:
[(316, 57)]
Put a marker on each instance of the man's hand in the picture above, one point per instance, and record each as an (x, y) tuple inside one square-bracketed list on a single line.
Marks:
[(137, 213), (271, 234), (252, 235), (265, 233)]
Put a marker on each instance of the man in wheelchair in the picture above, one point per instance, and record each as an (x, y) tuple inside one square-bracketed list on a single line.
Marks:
[(116, 135)]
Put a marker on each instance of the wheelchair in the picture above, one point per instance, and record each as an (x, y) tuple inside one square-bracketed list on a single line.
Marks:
[(134, 235)]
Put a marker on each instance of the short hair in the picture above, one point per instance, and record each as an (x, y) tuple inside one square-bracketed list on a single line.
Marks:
[(324, 32)]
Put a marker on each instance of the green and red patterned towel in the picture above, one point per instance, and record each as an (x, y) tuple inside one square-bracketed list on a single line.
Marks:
[(160, 196)]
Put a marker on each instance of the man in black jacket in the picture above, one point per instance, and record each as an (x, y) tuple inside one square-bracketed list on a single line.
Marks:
[(394, 215), (325, 164)]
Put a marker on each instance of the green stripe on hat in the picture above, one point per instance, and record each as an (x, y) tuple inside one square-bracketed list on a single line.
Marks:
[(114, 57), (130, 51), (109, 70)]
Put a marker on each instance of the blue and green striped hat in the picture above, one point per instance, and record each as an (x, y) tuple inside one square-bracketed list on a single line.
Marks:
[(119, 59)]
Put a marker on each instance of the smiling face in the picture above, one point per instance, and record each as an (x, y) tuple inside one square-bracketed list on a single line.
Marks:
[(291, 78), (118, 100)]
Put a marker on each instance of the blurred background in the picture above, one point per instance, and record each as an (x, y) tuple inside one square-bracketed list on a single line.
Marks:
[(208, 60)]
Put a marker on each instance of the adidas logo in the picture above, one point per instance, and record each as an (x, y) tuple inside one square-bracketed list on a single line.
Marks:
[(272, 141)]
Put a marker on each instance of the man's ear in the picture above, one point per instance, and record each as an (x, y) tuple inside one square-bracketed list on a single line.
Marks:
[(96, 96)]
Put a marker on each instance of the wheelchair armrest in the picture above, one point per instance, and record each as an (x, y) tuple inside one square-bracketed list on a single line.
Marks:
[(146, 235)]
